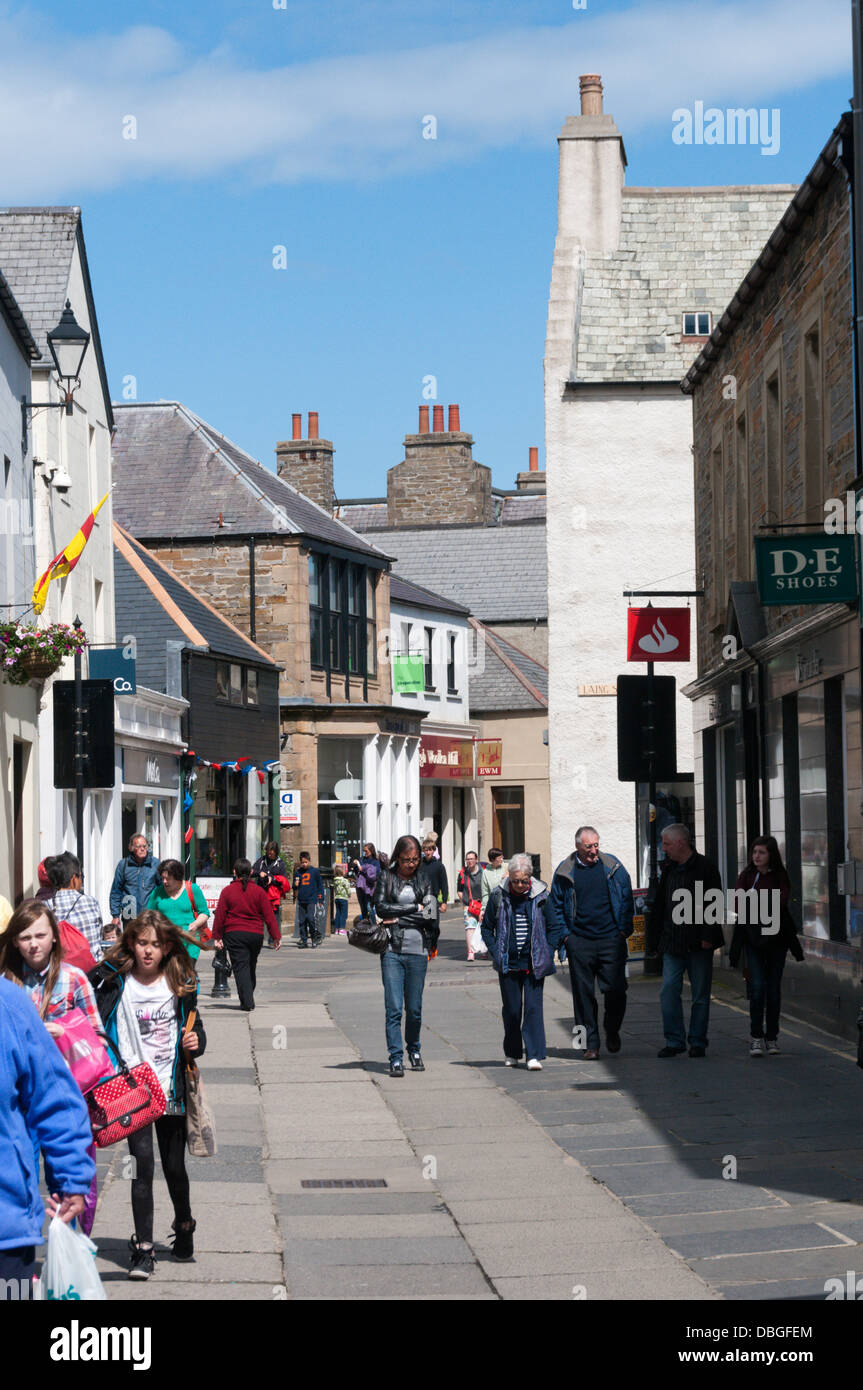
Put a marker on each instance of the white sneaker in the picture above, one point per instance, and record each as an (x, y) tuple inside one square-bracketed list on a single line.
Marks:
[(510, 1062), (773, 1047), (534, 1065), (757, 1047)]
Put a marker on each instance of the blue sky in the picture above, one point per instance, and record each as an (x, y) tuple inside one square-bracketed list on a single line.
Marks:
[(301, 126)]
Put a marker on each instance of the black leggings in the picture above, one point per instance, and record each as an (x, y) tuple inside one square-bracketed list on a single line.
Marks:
[(171, 1134)]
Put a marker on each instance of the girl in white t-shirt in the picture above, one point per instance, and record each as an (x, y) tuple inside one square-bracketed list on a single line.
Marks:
[(146, 989)]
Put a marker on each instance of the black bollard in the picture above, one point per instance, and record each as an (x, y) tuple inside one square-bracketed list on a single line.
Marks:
[(221, 970)]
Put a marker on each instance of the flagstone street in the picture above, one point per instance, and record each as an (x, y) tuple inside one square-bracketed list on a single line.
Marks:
[(626, 1179)]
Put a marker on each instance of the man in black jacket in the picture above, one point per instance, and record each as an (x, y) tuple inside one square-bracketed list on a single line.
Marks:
[(436, 873), (688, 912)]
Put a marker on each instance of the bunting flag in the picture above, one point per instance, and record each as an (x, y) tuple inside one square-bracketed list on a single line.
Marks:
[(65, 562), (188, 801), (242, 765), (188, 835)]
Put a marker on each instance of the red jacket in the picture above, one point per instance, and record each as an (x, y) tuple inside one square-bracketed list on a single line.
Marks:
[(244, 909)]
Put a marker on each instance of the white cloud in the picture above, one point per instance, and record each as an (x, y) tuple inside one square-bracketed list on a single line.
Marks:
[(201, 116)]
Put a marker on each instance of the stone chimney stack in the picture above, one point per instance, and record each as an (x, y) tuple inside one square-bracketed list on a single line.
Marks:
[(591, 173), (534, 479), (307, 464), (439, 483)]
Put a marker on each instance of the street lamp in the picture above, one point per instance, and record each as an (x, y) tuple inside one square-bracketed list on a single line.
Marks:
[(68, 344)]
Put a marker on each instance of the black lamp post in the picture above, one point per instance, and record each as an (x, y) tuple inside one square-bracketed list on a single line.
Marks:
[(68, 344)]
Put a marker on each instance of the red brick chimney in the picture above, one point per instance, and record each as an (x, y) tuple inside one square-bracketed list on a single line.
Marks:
[(307, 464), (437, 420), (453, 426), (533, 480), (533, 455), (424, 420)]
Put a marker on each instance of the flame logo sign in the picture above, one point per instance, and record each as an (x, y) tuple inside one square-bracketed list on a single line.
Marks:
[(659, 639)]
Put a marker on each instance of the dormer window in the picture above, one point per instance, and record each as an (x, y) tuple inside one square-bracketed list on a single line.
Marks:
[(696, 325)]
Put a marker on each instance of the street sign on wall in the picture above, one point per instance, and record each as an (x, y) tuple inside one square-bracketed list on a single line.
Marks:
[(657, 634), (111, 663), (290, 809), (449, 759), (810, 568)]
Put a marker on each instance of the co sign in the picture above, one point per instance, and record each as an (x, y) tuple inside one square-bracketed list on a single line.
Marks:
[(806, 569)]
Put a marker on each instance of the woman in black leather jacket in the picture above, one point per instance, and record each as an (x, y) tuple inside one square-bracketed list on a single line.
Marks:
[(406, 905)]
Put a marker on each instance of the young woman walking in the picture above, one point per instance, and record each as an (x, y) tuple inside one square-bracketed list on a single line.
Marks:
[(764, 952), (405, 902), (243, 914), (183, 904), (146, 990)]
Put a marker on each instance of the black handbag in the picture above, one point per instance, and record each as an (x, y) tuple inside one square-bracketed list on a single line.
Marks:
[(369, 936)]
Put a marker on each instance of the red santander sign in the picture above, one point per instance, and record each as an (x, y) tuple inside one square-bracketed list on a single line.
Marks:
[(657, 634)]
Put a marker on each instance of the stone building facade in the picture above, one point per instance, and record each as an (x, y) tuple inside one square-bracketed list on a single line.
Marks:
[(776, 703)]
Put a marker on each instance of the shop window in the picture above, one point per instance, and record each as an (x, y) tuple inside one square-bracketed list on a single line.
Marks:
[(340, 769)]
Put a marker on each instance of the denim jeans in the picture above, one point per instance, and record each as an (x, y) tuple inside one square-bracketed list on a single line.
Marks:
[(603, 958), (341, 914), (521, 995), (404, 978), (698, 965), (367, 905), (765, 982), (305, 920)]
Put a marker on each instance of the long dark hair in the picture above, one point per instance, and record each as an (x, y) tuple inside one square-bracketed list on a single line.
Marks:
[(176, 965), (373, 854), (774, 861), (402, 843), (12, 962), (242, 872)]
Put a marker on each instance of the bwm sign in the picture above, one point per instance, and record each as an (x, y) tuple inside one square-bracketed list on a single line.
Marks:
[(810, 568)]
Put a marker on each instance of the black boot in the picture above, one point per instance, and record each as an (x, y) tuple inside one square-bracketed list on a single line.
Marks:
[(184, 1245)]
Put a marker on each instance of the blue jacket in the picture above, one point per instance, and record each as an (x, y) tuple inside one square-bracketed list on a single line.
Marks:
[(133, 880), (498, 930), (561, 900), (39, 1104), (308, 885)]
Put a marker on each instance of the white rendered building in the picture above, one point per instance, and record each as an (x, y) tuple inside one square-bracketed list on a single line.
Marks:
[(638, 275)]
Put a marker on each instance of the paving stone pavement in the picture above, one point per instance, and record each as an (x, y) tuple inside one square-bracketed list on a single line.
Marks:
[(629, 1178)]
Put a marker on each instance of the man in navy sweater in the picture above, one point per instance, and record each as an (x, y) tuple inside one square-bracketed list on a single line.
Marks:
[(591, 903), (308, 888)]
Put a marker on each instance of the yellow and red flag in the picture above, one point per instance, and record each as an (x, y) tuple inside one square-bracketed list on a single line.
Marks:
[(66, 561)]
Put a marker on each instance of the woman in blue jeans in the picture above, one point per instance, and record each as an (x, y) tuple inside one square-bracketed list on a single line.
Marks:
[(764, 952), (406, 905)]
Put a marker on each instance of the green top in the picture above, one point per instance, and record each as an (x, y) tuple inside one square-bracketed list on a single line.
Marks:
[(179, 910), (341, 886)]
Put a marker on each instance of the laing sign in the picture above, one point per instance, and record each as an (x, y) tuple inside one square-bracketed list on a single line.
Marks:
[(806, 569)]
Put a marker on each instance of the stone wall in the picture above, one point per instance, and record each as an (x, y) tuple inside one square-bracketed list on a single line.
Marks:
[(307, 464), (439, 483), (811, 284)]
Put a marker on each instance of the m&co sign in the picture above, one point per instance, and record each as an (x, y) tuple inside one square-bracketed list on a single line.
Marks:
[(489, 752), (813, 568)]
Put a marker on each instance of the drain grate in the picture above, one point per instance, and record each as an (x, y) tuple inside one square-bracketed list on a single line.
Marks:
[(343, 1182)]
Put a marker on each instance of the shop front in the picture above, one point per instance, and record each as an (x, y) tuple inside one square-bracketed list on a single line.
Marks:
[(368, 788), (149, 745), (448, 798)]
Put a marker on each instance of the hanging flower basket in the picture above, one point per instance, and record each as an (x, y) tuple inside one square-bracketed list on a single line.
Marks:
[(35, 653)]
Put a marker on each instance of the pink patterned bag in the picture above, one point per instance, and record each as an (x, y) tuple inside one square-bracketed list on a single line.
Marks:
[(125, 1102), (82, 1049)]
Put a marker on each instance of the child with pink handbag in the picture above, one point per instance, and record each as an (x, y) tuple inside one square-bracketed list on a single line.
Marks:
[(31, 954)]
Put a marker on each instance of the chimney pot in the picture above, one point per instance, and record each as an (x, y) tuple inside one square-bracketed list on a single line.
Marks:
[(454, 426), (534, 459), (313, 424), (590, 88), (437, 419), (296, 426), (424, 420)]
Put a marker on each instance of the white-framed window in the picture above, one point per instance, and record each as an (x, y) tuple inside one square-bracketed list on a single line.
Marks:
[(697, 324)]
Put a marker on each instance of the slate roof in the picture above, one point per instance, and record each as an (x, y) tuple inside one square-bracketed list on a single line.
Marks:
[(11, 311), (364, 516), (680, 249), (498, 572), (526, 508), (175, 475), (493, 686), (145, 609), (36, 249), (403, 591)]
